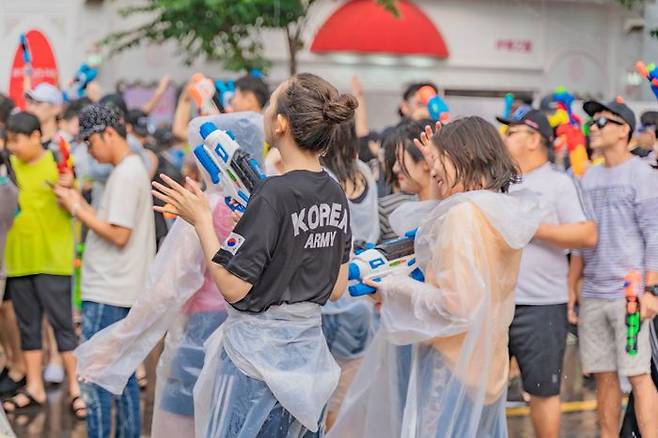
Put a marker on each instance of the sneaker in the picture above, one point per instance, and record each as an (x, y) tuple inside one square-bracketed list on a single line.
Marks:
[(54, 374)]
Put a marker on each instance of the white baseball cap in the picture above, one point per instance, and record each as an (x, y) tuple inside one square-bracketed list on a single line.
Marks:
[(46, 93)]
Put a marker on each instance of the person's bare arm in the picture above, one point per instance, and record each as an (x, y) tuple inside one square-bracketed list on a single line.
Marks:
[(361, 113), (574, 278), (341, 283), (157, 94), (192, 206), (182, 115), (575, 235), (72, 201), (232, 288)]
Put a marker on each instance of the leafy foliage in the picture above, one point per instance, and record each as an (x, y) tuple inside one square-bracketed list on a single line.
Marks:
[(224, 30)]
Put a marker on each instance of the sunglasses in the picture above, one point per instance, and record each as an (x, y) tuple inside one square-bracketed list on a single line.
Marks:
[(602, 122)]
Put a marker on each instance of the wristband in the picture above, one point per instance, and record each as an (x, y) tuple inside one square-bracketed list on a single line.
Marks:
[(653, 289)]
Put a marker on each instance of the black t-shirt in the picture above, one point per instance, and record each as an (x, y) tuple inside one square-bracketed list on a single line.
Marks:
[(290, 242)]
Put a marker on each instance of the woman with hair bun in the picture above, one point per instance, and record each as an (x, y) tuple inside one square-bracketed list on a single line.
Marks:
[(268, 371)]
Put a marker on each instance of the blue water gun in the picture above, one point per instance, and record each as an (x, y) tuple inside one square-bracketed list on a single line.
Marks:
[(436, 106), (392, 257), (507, 109), (225, 92), (27, 54), (228, 166), (81, 79)]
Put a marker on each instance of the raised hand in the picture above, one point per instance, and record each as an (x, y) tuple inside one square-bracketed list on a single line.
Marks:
[(191, 205), (424, 142)]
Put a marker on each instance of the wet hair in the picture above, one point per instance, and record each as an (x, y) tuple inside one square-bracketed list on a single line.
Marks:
[(256, 85), (315, 110), (402, 137), (478, 154), (23, 123), (7, 105), (341, 160), (74, 107)]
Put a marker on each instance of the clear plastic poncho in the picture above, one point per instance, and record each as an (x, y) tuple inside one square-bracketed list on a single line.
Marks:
[(349, 323), (179, 300), (457, 322)]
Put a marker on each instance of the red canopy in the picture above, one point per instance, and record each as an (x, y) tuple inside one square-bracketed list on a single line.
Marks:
[(363, 26)]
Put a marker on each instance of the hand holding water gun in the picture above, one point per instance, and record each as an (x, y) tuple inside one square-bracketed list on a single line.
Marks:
[(232, 168), (651, 73), (78, 85), (632, 285), (392, 257), (436, 106), (202, 90)]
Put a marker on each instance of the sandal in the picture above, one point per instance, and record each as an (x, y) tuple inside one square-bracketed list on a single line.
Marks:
[(32, 403), (77, 411)]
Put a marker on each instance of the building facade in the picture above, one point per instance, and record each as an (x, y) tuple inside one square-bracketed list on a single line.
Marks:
[(528, 46)]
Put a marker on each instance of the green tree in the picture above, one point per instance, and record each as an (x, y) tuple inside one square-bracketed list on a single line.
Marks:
[(224, 30)]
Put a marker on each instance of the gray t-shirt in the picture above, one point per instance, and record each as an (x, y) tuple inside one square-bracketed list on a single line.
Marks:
[(543, 273), (624, 202), (113, 275)]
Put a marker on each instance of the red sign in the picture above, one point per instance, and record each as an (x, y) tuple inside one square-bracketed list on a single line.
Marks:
[(512, 45), (44, 66)]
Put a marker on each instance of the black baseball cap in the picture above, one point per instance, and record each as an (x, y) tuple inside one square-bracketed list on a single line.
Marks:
[(139, 120), (97, 118), (532, 118), (616, 107)]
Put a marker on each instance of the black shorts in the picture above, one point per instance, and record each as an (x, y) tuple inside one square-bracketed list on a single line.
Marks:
[(34, 295), (538, 338)]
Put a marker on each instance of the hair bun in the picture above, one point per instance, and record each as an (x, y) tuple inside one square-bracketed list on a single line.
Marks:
[(341, 109)]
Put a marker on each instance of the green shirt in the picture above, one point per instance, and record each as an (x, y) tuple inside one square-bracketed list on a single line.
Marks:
[(41, 238)]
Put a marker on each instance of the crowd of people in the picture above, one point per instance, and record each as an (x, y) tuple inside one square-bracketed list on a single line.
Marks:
[(116, 243)]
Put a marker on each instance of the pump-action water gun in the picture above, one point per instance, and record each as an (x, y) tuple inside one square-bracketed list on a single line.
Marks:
[(202, 90), (632, 284), (232, 168), (436, 106), (392, 257), (27, 55), (651, 73), (78, 85)]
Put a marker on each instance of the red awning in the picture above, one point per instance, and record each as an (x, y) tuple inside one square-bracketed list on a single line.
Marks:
[(363, 26)]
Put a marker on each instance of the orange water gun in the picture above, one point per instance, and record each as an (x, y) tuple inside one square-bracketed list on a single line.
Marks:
[(64, 159)]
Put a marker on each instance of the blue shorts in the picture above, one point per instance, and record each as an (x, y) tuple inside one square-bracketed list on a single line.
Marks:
[(177, 397)]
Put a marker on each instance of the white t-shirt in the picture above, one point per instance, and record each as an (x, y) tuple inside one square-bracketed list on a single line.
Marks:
[(113, 275), (544, 267)]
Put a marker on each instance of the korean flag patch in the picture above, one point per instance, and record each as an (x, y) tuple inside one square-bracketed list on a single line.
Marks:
[(233, 242)]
